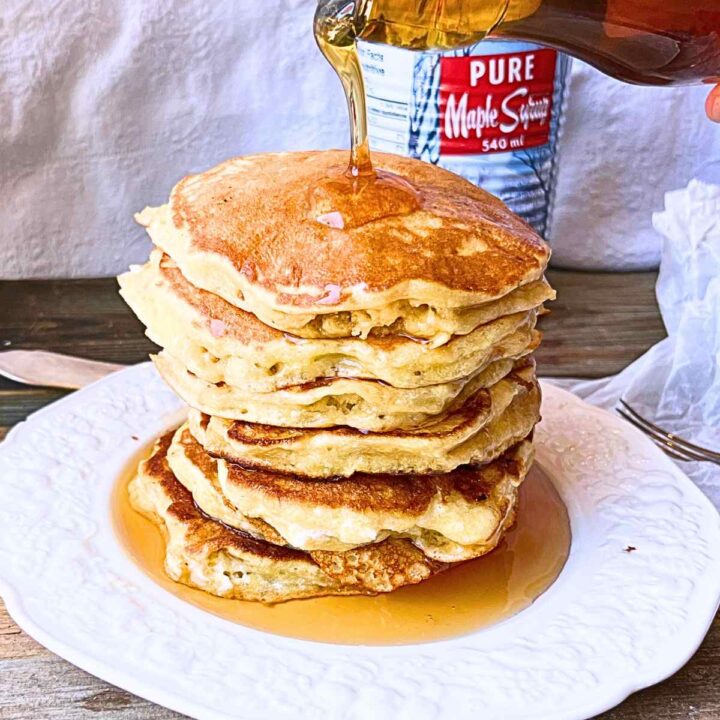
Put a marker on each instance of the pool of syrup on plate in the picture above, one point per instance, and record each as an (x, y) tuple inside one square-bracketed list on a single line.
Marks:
[(468, 597)]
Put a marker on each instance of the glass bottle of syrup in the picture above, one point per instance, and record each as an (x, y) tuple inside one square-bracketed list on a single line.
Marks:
[(649, 42), (492, 111)]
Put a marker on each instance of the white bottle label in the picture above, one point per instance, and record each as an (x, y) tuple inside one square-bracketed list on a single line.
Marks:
[(491, 113)]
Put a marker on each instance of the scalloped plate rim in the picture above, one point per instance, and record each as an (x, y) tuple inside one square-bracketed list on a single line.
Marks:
[(602, 701)]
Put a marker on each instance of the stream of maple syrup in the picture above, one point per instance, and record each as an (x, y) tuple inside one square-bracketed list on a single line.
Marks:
[(466, 598), (360, 194)]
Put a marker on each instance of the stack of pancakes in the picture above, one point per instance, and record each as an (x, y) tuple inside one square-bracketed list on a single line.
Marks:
[(362, 398)]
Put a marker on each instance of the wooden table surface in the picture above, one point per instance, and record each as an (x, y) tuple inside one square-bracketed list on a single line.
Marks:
[(599, 324)]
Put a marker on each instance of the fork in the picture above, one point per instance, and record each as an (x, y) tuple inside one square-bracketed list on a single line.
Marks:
[(673, 445)]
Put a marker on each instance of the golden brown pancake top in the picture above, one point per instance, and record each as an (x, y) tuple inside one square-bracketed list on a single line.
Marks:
[(235, 322), (379, 567), (242, 325), (476, 405), (377, 492), (266, 435), (210, 534), (257, 212)]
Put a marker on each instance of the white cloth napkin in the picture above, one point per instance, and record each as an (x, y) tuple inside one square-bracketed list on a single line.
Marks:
[(676, 384), (106, 104)]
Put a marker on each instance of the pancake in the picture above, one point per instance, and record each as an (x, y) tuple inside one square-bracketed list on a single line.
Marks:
[(247, 230), (484, 427), (206, 554), (368, 405), (221, 343), (450, 517)]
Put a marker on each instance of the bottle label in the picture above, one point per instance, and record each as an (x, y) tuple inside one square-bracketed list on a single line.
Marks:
[(496, 103), (491, 113)]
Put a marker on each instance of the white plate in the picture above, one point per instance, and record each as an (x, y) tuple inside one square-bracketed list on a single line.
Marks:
[(614, 622)]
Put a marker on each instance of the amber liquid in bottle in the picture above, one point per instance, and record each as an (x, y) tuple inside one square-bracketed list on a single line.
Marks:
[(649, 42), (466, 598)]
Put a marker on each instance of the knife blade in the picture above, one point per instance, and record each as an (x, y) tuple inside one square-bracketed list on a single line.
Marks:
[(49, 369)]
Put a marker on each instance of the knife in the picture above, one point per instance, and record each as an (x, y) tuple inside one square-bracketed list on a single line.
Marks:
[(38, 367)]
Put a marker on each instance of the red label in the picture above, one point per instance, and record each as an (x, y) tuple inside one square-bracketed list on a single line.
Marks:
[(496, 103)]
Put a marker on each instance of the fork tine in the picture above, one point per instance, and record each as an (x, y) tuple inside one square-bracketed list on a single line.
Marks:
[(673, 454), (661, 439), (709, 454)]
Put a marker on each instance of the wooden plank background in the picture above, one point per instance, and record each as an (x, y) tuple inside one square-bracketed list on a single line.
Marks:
[(599, 324)]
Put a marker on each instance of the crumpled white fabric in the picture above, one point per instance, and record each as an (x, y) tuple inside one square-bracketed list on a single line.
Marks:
[(676, 384), (106, 104)]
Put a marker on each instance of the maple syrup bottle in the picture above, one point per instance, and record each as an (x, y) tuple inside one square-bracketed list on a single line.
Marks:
[(489, 107), (649, 42)]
